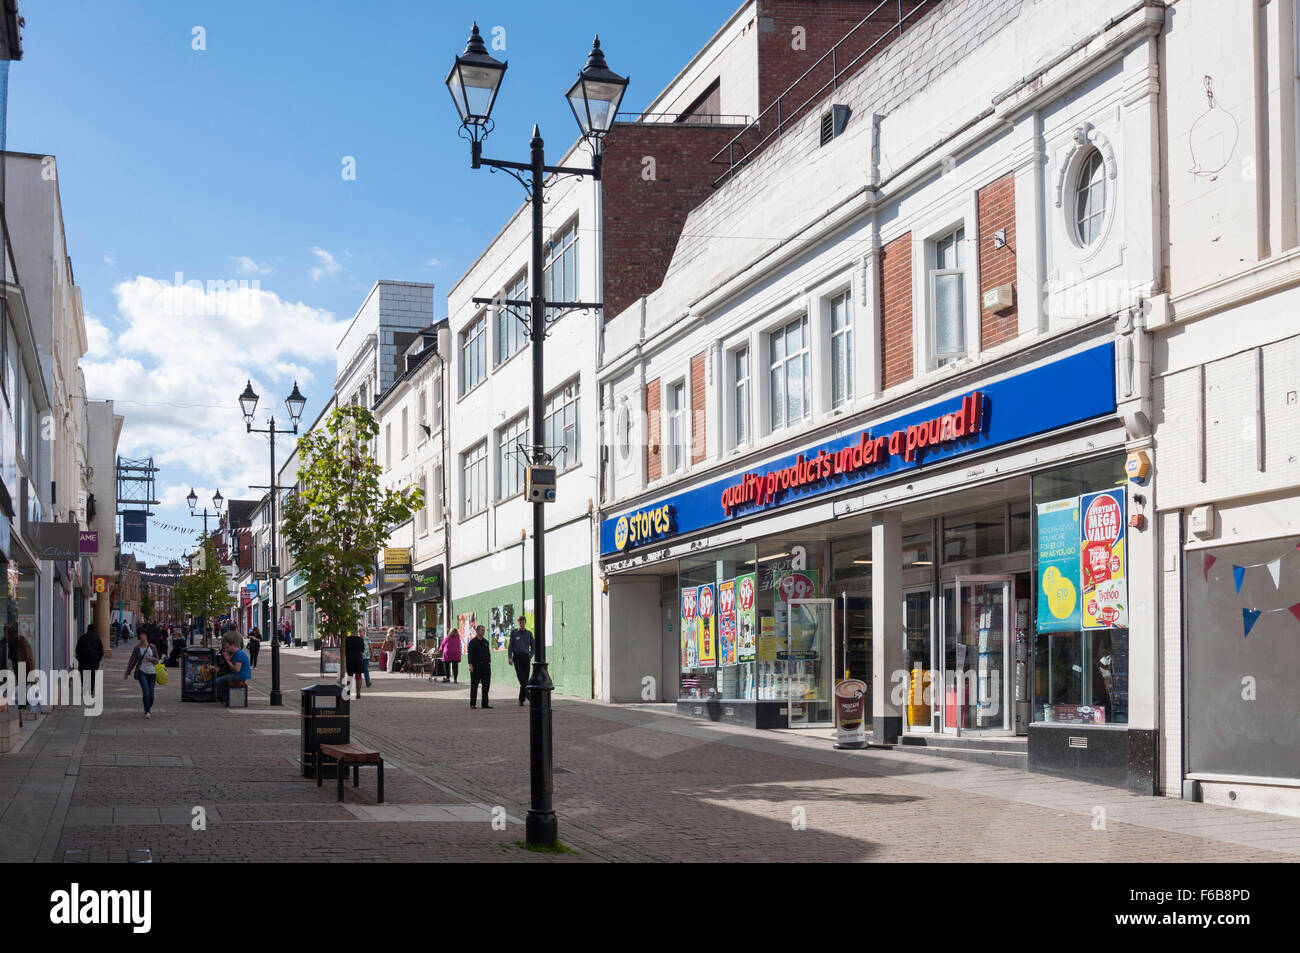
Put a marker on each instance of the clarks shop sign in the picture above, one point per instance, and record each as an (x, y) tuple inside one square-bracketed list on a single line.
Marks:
[(1066, 391)]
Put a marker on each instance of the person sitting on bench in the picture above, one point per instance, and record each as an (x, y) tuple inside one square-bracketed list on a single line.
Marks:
[(240, 668)]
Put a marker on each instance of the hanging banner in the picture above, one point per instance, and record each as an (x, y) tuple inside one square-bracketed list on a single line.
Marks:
[(690, 647), (727, 623), (135, 527), (1105, 587), (746, 636), (1058, 566), (708, 631)]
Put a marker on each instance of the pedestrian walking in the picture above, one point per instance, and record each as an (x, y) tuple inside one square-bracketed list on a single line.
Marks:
[(480, 666), (143, 659), (90, 652), (451, 656), (390, 647), (114, 628), (356, 657), (254, 645), (521, 654)]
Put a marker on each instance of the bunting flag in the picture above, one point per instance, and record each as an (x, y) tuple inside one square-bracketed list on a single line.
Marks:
[(1250, 616), (1238, 574), (1274, 566), (1275, 570), (1206, 563)]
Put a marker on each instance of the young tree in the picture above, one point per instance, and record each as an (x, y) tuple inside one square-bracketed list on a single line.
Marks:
[(206, 591), (335, 524)]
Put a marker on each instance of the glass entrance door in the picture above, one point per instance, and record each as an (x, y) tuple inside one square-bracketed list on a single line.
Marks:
[(918, 659), (977, 643), (809, 661)]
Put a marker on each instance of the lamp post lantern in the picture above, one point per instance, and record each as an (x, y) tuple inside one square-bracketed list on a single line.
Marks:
[(193, 500), (474, 81), (294, 403)]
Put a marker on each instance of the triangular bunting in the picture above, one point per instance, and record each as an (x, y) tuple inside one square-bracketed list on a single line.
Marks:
[(1238, 574), (1248, 619), (1295, 611), (1275, 570), (1206, 563)]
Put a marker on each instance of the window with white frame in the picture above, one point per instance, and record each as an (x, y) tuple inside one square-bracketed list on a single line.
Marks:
[(473, 354), (473, 468), (948, 299), (788, 374), (841, 324), (512, 441), (436, 492), (404, 429), (512, 334), (1090, 198), (423, 420), (560, 274), (388, 446), (437, 403), (560, 427), (423, 520), (677, 431), (740, 364)]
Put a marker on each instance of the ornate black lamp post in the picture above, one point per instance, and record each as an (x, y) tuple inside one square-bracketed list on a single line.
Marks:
[(473, 82), (193, 500), (248, 404)]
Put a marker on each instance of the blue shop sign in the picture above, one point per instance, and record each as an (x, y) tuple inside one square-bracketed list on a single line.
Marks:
[(1066, 391)]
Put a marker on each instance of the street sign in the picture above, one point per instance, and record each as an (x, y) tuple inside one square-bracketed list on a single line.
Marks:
[(275, 572), (259, 575)]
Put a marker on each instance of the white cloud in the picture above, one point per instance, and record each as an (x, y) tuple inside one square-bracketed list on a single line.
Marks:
[(110, 260), (179, 361), (327, 267), (434, 262), (247, 266)]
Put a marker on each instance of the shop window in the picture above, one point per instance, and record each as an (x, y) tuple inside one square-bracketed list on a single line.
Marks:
[(918, 544), (1243, 658), (1020, 529), (1081, 636), (975, 535)]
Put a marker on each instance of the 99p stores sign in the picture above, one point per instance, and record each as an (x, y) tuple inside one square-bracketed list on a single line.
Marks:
[(1102, 545)]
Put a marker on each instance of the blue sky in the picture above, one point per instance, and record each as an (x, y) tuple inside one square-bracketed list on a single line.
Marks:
[(225, 164)]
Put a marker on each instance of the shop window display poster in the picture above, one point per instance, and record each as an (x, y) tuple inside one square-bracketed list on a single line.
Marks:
[(746, 593), (1102, 539), (767, 639), (727, 623), (706, 615), (1058, 566)]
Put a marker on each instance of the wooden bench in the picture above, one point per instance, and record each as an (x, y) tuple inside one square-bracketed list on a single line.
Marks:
[(354, 755)]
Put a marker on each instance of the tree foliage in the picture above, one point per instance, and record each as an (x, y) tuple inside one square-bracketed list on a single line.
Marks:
[(336, 523), (206, 591)]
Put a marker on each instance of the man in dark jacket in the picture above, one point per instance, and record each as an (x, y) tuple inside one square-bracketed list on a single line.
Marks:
[(521, 654), (90, 652), (480, 667)]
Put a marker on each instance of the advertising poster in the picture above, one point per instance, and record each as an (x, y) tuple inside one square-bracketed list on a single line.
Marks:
[(727, 623), (746, 634), (1058, 566), (707, 622), (1101, 537), (690, 650), (767, 639), (795, 584), (850, 714)]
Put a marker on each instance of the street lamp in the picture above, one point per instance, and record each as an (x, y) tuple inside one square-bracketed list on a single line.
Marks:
[(295, 403), (193, 500), (473, 82)]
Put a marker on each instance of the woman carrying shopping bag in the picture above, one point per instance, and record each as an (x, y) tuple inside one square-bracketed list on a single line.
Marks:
[(144, 658), (451, 648)]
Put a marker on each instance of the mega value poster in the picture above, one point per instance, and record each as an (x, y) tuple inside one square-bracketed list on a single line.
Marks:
[(1058, 566), (746, 591), (727, 623), (1102, 539), (707, 615)]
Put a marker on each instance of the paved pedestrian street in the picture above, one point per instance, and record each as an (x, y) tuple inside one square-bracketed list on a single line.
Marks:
[(199, 782)]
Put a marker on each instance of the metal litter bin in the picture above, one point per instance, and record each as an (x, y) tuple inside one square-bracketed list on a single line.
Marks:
[(198, 674), (326, 719)]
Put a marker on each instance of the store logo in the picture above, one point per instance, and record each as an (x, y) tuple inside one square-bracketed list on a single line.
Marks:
[(763, 489), (641, 527)]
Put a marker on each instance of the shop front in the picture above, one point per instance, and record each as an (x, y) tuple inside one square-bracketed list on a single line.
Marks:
[(426, 598), (966, 560)]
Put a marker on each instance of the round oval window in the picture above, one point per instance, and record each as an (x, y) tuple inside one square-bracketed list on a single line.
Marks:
[(1090, 198)]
